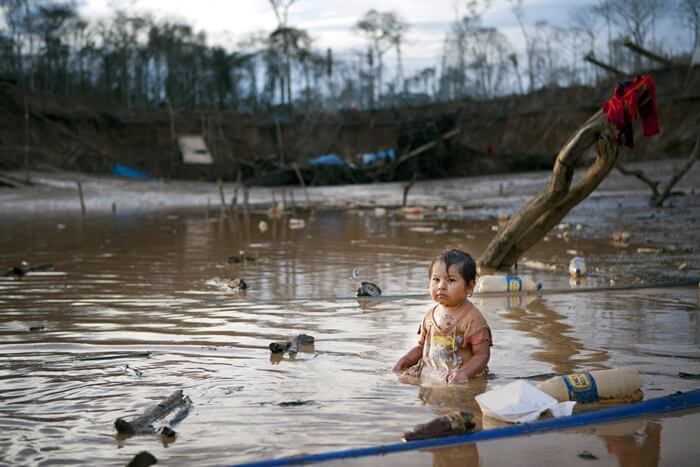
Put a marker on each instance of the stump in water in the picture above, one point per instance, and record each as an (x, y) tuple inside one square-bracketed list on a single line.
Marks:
[(547, 208)]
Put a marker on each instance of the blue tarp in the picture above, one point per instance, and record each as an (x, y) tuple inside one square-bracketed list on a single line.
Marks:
[(370, 157), (123, 171), (328, 159)]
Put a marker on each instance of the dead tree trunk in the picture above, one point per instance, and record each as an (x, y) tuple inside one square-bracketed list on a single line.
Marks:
[(551, 205)]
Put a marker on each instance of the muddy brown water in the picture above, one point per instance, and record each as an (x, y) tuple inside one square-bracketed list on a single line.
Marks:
[(139, 280)]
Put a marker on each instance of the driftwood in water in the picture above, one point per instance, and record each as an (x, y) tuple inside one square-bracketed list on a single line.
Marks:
[(455, 423), (659, 195), (293, 345), (142, 459), (25, 268), (547, 208), (144, 424)]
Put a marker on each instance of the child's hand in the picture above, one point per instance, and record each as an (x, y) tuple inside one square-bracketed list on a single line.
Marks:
[(456, 377)]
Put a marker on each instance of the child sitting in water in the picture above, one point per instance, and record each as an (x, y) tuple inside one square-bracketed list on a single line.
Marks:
[(455, 339)]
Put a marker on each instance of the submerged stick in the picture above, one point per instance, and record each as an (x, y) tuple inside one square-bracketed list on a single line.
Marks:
[(116, 356), (144, 423)]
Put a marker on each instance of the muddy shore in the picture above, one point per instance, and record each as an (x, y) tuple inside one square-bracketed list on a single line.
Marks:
[(664, 242)]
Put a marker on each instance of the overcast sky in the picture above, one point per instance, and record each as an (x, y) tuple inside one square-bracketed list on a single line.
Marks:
[(330, 22)]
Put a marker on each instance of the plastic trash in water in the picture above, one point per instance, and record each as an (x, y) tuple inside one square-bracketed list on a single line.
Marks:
[(505, 283), (577, 267), (368, 289), (296, 224), (521, 402)]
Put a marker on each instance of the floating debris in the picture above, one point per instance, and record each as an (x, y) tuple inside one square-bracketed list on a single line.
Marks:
[(295, 403), (577, 267), (241, 257), (620, 236), (275, 211), (421, 229), (131, 371), (539, 265), (39, 327), (262, 226), (455, 423), (683, 267), (296, 224), (26, 268), (587, 455), (412, 212), (143, 424), (231, 284), (142, 459), (648, 250), (368, 289), (293, 345)]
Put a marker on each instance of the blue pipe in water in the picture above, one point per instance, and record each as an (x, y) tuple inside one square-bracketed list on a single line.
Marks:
[(671, 403)]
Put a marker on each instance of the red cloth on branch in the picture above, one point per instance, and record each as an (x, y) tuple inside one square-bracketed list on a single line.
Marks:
[(624, 107)]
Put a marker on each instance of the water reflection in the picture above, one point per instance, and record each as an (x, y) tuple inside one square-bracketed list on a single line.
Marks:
[(634, 444), (557, 344)]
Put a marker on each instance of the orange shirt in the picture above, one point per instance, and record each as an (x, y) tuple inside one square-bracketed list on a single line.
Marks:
[(450, 347)]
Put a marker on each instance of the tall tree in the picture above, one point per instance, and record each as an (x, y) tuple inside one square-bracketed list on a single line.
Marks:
[(687, 13), (383, 30)]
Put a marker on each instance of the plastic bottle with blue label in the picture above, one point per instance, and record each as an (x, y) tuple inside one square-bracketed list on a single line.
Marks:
[(577, 267), (505, 283)]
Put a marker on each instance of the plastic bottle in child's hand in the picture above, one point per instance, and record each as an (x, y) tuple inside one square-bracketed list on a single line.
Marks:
[(505, 283), (577, 267)]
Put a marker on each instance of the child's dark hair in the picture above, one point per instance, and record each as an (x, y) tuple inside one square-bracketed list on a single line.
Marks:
[(464, 262)]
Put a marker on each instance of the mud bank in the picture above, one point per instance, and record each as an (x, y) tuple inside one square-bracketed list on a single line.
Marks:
[(513, 133)]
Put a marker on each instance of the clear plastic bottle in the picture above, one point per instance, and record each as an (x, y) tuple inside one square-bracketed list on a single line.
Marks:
[(577, 267), (505, 283)]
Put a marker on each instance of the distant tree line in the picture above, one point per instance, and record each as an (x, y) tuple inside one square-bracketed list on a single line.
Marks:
[(138, 60)]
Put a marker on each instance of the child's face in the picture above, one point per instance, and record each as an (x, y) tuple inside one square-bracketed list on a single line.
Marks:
[(447, 286)]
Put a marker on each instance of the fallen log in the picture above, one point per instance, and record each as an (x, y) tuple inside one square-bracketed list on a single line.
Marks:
[(547, 208), (144, 424)]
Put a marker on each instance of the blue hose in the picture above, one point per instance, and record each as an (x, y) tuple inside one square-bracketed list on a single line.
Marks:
[(677, 401)]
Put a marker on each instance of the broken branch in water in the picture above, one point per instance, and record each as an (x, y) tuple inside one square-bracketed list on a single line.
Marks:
[(25, 268), (143, 424), (455, 423), (116, 356)]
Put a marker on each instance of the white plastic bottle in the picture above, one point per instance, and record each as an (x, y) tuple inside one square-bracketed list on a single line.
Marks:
[(505, 283), (577, 267)]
